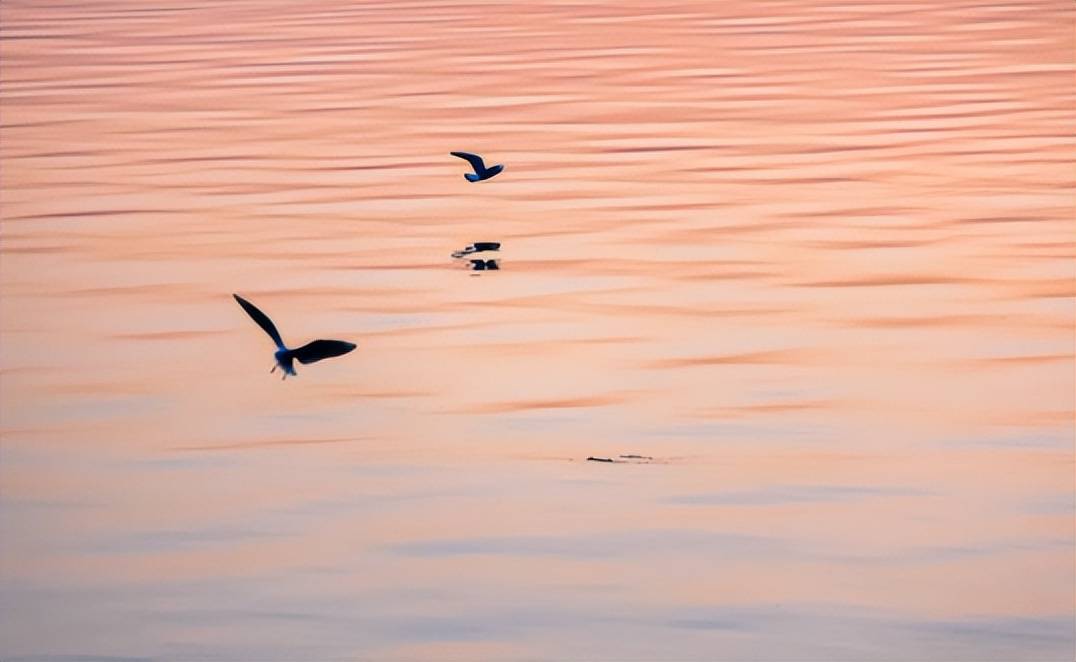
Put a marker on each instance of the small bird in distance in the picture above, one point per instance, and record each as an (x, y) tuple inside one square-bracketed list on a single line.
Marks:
[(481, 172), (284, 357)]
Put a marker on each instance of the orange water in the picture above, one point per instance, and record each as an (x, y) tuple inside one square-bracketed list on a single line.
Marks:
[(815, 257)]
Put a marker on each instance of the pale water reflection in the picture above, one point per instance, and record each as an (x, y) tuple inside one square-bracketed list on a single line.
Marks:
[(813, 257)]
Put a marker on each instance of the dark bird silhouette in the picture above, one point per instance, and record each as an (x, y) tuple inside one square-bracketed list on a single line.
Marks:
[(308, 353), (480, 170), (478, 247)]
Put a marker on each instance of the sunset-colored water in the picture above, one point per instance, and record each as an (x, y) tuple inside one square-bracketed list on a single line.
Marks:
[(814, 257)]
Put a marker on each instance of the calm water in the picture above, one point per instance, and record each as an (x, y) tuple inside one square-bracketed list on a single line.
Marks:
[(814, 257)]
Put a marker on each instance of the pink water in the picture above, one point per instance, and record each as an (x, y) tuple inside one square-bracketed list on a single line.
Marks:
[(814, 257)]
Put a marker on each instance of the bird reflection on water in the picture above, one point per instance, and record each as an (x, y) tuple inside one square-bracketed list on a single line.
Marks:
[(484, 265)]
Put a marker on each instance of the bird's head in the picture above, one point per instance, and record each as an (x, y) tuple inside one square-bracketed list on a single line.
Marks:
[(285, 362)]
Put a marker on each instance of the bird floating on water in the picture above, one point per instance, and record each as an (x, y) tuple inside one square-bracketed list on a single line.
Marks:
[(478, 247), (480, 170), (308, 353)]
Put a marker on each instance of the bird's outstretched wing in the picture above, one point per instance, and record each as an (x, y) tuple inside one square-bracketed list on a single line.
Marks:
[(321, 349), (262, 319), (474, 159)]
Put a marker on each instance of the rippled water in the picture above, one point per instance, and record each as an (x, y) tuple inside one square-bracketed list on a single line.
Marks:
[(814, 257)]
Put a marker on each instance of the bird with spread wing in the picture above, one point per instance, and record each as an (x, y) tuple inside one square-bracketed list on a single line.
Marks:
[(481, 172), (284, 357)]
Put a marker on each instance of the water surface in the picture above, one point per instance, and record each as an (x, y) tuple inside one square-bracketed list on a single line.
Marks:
[(814, 257)]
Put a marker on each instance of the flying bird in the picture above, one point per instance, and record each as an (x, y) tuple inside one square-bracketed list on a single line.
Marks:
[(480, 170), (308, 353)]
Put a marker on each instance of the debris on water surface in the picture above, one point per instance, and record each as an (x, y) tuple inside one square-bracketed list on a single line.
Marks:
[(624, 459)]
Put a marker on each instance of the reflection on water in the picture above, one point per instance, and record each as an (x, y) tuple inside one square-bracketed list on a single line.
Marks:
[(485, 265), (816, 258)]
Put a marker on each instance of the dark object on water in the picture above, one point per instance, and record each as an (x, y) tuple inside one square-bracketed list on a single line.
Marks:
[(484, 265), (600, 459), (478, 247), (311, 352), (636, 457), (481, 172)]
